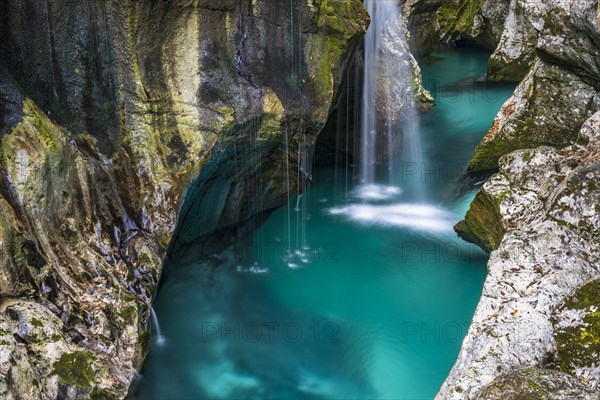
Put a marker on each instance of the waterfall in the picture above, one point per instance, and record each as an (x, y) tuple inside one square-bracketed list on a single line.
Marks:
[(377, 10), (388, 109), (392, 191), (160, 340)]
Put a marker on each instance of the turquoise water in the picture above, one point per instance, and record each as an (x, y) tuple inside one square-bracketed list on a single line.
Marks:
[(339, 297)]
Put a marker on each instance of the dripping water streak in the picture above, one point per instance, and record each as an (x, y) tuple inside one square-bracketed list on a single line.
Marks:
[(369, 112), (160, 340), (287, 180)]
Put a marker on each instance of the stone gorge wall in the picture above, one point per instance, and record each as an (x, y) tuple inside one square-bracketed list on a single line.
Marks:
[(535, 329), (538, 309), (109, 111)]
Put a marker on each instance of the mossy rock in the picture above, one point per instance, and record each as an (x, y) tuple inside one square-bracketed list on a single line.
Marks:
[(101, 394), (579, 346), (456, 17), (548, 109), (486, 158), (483, 223), (515, 71), (76, 369), (537, 384)]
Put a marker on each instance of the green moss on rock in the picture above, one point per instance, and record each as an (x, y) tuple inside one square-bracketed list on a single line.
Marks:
[(515, 71), (488, 153), (457, 16), (548, 109), (483, 223), (579, 346), (101, 394), (36, 322), (76, 369), (340, 23)]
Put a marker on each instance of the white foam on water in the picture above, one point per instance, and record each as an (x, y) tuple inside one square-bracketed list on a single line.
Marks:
[(298, 257), (376, 192), (253, 269), (417, 216)]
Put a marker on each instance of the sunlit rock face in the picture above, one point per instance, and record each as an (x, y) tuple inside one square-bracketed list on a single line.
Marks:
[(110, 112), (546, 203)]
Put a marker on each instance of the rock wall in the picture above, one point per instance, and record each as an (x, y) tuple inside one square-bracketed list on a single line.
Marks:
[(547, 109), (474, 22), (534, 331), (422, 25), (110, 112), (537, 309)]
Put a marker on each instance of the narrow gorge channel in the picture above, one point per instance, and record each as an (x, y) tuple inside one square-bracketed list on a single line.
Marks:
[(335, 297)]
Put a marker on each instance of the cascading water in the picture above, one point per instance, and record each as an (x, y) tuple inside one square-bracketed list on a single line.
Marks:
[(412, 158), (391, 189), (390, 119), (369, 108)]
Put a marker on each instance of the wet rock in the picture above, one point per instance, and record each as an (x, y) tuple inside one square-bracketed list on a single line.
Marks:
[(548, 108), (483, 223), (422, 26)]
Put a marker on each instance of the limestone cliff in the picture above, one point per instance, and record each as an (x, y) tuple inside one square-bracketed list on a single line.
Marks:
[(539, 215), (475, 22), (111, 112), (537, 308)]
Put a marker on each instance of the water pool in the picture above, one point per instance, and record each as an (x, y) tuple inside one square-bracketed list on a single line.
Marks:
[(339, 297)]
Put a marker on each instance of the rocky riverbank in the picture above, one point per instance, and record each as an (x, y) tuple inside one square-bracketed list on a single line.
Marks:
[(536, 310), (535, 330)]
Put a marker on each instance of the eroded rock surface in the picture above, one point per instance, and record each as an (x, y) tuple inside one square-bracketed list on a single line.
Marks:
[(477, 22), (548, 108), (547, 201), (577, 326)]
